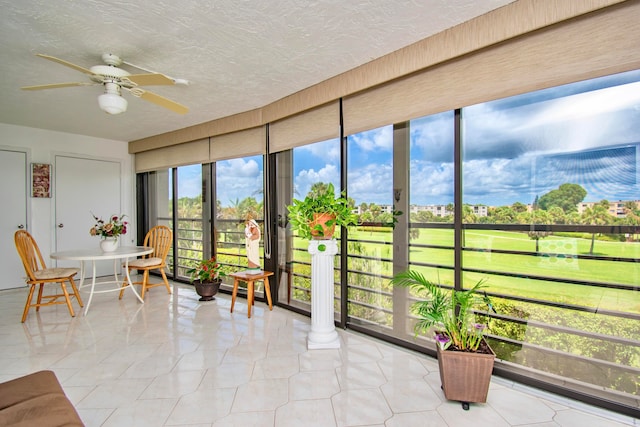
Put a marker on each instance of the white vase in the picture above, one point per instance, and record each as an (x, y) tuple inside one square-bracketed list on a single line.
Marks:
[(109, 244)]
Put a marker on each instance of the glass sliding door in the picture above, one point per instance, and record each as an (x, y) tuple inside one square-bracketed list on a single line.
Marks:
[(300, 171), (184, 214), (431, 208), (239, 192), (370, 250), (190, 230), (431, 200), (160, 204)]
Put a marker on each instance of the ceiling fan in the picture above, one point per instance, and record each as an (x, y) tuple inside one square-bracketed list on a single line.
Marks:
[(115, 80)]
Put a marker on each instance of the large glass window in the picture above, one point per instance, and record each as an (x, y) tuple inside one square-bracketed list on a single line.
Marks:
[(160, 205), (190, 220), (431, 198), (431, 206), (370, 250), (302, 170), (239, 193), (186, 211), (556, 175)]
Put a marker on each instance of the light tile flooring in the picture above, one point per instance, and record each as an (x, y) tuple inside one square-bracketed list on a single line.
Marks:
[(175, 361)]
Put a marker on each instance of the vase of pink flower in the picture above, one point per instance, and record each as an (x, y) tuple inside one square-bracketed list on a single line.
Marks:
[(109, 231)]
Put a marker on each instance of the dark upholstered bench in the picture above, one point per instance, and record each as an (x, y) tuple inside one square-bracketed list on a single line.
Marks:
[(36, 400)]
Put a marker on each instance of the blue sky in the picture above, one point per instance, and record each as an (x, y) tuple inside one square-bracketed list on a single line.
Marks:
[(514, 149), (237, 179)]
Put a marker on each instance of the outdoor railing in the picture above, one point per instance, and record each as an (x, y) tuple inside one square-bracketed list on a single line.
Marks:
[(556, 307)]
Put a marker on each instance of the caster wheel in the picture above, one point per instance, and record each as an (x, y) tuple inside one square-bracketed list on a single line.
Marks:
[(465, 406)]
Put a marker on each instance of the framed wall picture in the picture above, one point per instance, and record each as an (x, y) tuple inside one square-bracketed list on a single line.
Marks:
[(40, 180)]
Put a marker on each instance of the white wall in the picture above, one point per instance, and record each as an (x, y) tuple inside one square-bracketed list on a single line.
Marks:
[(42, 146)]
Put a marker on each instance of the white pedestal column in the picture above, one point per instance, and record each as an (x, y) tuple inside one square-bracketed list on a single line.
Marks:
[(323, 331)]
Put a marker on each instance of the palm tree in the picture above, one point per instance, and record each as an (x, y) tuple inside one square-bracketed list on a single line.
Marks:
[(540, 217), (318, 188), (631, 215), (597, 215)]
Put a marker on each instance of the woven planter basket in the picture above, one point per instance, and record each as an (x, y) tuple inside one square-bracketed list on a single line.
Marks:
[(465, 376)]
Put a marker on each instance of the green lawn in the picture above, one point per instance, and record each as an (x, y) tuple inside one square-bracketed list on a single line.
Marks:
[(560, 264)]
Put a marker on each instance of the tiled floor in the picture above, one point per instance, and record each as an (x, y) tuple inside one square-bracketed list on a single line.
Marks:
[(175, 361)]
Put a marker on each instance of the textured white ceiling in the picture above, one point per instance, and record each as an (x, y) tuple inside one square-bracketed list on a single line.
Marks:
[(237, 54)]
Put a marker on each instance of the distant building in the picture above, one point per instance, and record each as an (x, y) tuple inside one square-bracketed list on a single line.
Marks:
[(480, 210), (441, 210), (383, 209), (616, 209)]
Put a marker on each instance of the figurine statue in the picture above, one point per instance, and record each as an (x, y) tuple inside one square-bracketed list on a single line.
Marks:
[(252, 243)]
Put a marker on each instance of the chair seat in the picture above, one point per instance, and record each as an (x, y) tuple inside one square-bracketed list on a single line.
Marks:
[(53, 273), (160, 239), (145, 262), (38, 275)]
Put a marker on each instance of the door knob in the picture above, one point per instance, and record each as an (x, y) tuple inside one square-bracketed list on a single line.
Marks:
[(61, 225), (21, 226)]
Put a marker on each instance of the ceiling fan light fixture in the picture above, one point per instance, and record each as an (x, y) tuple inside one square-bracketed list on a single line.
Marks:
[(112, 103), (114, 80)]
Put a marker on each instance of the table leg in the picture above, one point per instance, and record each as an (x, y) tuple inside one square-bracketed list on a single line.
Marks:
[(82, 273), (126, 268), (115, 270), (93, 285), (234, 293), (267, 291), (249, 297)]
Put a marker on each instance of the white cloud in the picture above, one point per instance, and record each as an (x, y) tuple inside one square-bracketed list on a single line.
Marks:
[(238, 168), (306, 178), (431, 183), (328, 150), (374, 140), (371, 184), (584, 107), (239, 179)]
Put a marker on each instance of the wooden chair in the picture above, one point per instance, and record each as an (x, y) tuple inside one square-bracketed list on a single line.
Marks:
[(39, 274), (159, 238)]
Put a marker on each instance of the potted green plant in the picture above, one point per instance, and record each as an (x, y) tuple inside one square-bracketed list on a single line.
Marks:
[(465, 360), (207, 277), (320, 212)]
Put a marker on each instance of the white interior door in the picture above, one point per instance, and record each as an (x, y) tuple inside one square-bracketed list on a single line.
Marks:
[(13, 194), (82, 187)]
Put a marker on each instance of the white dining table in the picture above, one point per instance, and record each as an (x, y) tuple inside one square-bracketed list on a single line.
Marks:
[(93, 255)]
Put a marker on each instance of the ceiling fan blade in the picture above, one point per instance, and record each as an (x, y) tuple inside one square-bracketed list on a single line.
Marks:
[(150, 79), (65, 63), (55, 86), (159, 100)]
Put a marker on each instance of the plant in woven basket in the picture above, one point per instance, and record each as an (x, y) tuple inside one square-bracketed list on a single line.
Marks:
[(466, 372), (448, 311)]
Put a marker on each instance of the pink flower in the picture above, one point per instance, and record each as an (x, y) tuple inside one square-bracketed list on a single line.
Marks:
[(114, 228), (443, 341)]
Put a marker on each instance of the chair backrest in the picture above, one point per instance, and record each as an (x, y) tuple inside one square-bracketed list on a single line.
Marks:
[(160, 239), (29, 253)]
